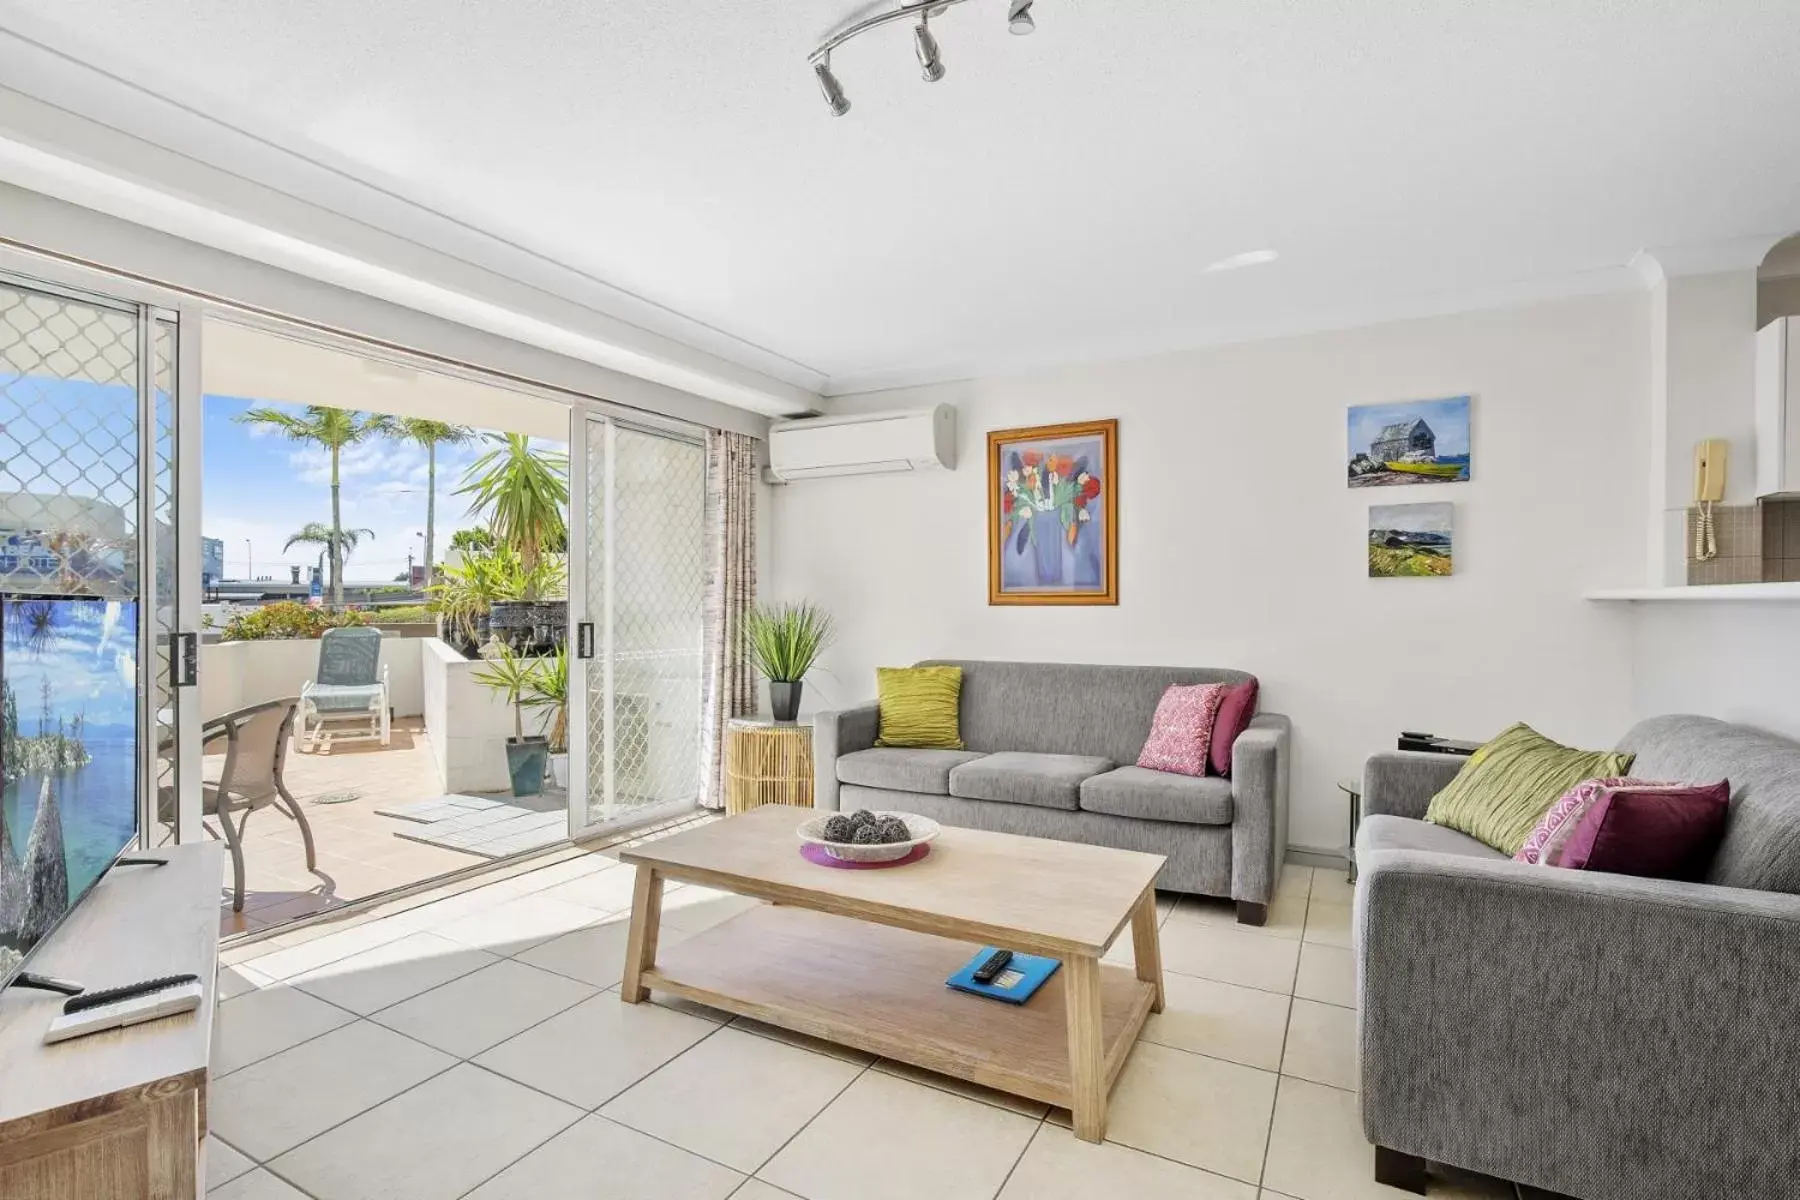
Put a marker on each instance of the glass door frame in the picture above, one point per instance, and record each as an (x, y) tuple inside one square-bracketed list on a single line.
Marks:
[(152, 306)]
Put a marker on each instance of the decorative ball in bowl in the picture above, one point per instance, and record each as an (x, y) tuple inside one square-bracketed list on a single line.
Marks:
[(868, 836)]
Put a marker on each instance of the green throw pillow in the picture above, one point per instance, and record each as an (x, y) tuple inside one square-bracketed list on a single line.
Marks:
[(1506, 786), (919, 707)]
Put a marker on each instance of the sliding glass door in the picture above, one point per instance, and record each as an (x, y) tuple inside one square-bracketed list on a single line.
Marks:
[(637, 588)]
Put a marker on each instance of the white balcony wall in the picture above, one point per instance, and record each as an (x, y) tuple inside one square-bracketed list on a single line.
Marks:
[(466, 723), (234, 675)]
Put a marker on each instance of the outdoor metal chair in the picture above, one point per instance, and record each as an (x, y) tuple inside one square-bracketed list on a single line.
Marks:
[(256, 743), (351, 684)]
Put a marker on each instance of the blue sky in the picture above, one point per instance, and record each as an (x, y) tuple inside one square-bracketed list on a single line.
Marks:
[(91, 665), (257, 484), (1448, 418)]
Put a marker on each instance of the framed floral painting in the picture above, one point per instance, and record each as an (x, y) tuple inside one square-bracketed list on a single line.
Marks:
[(1053, 514)]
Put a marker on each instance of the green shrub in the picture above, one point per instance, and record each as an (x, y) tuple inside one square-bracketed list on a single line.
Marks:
[(401, 614), (287, 619)]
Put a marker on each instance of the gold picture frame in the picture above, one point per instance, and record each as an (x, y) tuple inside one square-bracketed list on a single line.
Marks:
[(1053, 514)]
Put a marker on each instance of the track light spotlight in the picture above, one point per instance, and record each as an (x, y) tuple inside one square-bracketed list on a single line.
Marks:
[(932, 66), (833, 90), (1018, 17)]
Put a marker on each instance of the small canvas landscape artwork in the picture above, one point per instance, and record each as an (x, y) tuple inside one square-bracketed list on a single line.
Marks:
[(1053, 517), (1418, 441), (1410, 539)]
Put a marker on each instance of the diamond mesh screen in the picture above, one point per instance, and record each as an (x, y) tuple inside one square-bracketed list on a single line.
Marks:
[(646, 552), (163, 619)]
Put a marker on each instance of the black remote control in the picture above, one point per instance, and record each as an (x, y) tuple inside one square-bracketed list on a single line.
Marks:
[(990, 970), (87, 1000)]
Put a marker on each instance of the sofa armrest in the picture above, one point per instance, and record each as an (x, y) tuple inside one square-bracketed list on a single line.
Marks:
[(1259, 807), (837, 733), (1599, 1035), (1401, 783)]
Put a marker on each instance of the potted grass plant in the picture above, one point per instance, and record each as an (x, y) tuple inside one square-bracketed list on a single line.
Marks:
[(548, 689), (783, 642), (514, 676)]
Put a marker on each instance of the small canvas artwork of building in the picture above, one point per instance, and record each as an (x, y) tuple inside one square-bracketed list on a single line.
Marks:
[(1410, 539), (1419, 441)]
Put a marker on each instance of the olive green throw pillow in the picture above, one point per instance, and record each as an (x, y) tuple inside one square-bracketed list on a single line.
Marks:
[(1506, 786), (919, 707)]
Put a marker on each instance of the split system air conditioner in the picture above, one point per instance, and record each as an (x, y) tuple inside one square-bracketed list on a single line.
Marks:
[(816, 447)]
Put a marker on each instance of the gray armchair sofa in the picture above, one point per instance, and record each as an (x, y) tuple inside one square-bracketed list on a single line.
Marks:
[(1051, 748), (1603, 1036)]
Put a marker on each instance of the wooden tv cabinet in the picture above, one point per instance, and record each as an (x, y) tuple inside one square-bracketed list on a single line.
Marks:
[(121, 1113)]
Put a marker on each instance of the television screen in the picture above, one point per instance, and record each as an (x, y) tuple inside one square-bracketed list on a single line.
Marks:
[(68, 758)]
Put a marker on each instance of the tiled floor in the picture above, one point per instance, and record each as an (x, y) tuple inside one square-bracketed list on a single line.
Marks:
[(360, 852), (477, 1047)]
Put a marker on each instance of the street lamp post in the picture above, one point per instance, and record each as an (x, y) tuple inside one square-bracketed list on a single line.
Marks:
[(249, 563)]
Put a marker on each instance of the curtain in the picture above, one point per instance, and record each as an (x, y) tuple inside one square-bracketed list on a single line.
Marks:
[(728, 688)]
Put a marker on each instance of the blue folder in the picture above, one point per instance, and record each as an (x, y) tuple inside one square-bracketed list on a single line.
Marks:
[(1030, 970)]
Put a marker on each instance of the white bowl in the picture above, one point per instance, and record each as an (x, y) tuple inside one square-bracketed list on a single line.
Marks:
[(923, 829)]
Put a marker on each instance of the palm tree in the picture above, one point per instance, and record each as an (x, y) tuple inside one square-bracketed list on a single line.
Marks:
[(521, 493), (337, 542), (332, 429), (430, 434)]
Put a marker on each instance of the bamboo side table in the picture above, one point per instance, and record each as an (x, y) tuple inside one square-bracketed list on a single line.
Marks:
[(767, 763)]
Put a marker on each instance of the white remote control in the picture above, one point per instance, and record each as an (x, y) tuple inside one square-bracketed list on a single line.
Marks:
[(132, 1011)]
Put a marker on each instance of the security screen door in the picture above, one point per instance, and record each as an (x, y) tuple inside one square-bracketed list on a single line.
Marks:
[(637, 587)]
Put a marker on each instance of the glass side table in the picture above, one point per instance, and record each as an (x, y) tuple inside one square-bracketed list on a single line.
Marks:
[(1352, 788)]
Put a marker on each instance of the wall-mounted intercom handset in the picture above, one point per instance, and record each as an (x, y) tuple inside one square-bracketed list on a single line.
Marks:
[(1710, 457)]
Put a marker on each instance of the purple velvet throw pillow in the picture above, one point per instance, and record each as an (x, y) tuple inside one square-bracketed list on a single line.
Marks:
[(1656, 832), (1234, 717)]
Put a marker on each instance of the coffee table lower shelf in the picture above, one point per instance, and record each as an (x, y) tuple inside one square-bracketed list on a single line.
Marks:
[(881, 989)]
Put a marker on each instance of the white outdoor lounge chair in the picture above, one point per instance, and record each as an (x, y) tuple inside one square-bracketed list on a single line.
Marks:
[(352, 685)]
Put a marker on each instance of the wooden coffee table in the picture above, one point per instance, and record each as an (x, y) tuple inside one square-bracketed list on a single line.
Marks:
[(860, 957)]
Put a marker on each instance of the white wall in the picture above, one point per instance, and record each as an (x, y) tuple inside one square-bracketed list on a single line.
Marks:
[(234, 675), (1731, 659), (1241, 545)]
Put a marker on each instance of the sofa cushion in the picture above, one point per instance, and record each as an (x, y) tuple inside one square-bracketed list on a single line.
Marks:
[(1181, 731), (1659, 832), (1507, 786), (919, 707), (1385, 832), (903, 770), (1159, 796), (1234, 717), (1045, 780)]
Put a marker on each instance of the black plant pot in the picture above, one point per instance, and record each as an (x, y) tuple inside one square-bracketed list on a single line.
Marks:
[(784, 699)]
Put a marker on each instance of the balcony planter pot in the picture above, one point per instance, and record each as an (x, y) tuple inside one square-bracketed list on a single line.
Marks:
[(559, 770), (526, 759), (784, 699)]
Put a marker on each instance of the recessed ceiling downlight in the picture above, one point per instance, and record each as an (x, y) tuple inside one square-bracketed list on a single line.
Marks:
[(1249, 258)]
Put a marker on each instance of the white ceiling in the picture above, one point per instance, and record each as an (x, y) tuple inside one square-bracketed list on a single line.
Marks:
[(1055, 197)]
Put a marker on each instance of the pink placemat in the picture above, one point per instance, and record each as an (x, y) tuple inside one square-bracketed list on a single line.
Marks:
[(814, 853)]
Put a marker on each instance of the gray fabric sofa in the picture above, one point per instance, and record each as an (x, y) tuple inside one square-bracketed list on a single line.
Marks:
[(1051, 748), (1603, 1036)]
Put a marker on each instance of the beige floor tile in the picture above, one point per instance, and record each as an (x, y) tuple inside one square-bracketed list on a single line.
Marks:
[(483, 1009), (597, 1049), (697, 909), (594, 955), (1316, 1146), (945, 1147), (519, 924), (258, 1024), (847, 1054), (756, 1189), (1321, 1044), (387, 974), (272, 1106), (596, 1157), (563, 870), (1328, 924), (1229, 955), (607, 889), (256, 1185), (1296, 880), (1057, 1166), (1224, 1020), (962, 1087), (1327, 974), (437, 1140), (1333, 887), (1200, 1111), (234, 981), (223, 1163), (1287, 915), (284, 962), (735, 1098)]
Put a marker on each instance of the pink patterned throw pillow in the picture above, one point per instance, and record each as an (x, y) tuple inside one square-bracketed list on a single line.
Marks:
[(1181, 732), (1545, 844)]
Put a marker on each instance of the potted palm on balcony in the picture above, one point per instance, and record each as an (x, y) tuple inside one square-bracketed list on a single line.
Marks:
[(783, 642), (513, 676), (549, 689)]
